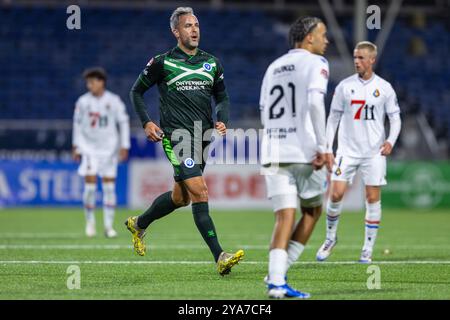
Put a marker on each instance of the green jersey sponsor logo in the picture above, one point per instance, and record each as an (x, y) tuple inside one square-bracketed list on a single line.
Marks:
[(193, 85), (183, 76)]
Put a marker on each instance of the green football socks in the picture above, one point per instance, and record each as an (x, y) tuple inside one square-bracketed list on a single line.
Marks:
[(161, 206), (206, 227)]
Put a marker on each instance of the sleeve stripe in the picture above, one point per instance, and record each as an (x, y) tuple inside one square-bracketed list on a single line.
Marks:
[(143, 80)]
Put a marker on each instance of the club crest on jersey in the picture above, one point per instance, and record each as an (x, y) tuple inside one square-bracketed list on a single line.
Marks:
[(376, 93), (324, 73), (207, 66), (338, 171), (189, 163)]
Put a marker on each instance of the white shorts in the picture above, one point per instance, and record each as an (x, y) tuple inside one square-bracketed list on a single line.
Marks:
[(293, 181), (373, 170), (97, 165)]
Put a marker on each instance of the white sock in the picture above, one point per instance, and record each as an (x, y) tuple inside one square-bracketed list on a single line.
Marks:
[(373, 217), (294, 251), (333, 212), (89, 201), (277, 266), (109, 204)]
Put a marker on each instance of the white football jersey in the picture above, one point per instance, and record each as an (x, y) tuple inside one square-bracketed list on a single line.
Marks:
[(96, 121), (364, 106), (288, 132)]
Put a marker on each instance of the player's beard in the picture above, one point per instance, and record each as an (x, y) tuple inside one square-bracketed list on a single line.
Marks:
[(191, 45)]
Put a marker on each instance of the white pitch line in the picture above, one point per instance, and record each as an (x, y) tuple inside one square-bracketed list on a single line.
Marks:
[(96, 247), (229, 237), (42, 235), (5, 262), (64, 246), (175, 236)]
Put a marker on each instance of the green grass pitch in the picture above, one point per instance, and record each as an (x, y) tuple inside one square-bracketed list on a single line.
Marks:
[(38, 245)]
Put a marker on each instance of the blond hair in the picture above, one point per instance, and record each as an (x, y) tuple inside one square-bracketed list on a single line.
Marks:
[(372, 48)]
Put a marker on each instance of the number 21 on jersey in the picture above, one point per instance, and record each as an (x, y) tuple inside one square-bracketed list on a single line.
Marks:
[(279, 92)]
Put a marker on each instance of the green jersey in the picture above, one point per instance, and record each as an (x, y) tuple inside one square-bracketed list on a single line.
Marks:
[(186, 84)]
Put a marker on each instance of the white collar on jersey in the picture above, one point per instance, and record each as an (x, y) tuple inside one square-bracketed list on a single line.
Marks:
[(99, 97), (364, 82), (298, 50)]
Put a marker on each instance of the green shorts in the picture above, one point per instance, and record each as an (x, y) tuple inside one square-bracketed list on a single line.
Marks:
[(184, 163)]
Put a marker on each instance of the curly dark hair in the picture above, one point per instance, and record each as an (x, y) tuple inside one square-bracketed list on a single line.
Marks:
[(95, 72), (300, 28)]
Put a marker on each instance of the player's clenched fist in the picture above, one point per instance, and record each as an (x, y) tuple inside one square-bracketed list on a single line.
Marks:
[(329, 161), (319, 161), (221, 128), (386, 149), (123, 154), (153, 132), (76, 156)]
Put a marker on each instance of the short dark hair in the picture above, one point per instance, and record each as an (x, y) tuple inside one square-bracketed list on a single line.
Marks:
[(95, 72), (301, 28)]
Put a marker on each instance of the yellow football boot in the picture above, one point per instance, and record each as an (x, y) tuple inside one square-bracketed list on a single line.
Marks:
[(137, 235), (226, 261)]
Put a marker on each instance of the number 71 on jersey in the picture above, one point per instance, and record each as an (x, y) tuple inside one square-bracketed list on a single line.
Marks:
[(368, 110)]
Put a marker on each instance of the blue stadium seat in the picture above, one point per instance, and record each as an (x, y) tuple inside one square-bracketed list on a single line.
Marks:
[(43, 65)]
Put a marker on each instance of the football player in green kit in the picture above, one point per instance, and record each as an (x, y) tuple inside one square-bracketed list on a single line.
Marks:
[(187, 78)]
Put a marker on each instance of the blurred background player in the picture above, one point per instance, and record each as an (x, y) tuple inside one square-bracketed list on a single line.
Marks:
[(360, 105), (294, 141), (101, 138), (187, 78)]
